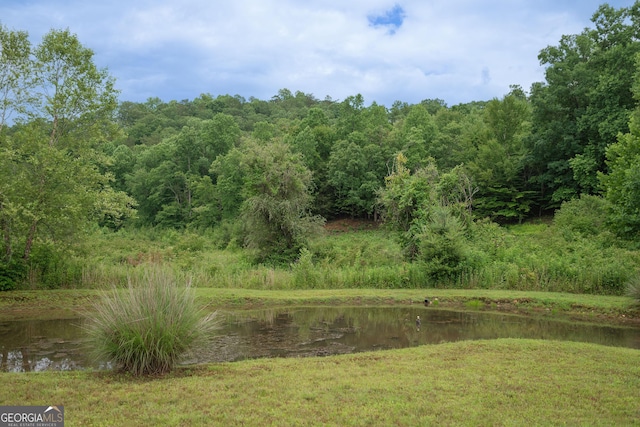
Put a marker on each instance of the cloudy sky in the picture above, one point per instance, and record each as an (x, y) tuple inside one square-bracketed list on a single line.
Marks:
[(386, 50)]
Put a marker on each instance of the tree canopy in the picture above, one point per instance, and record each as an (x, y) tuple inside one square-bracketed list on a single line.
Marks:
[(72, 156)]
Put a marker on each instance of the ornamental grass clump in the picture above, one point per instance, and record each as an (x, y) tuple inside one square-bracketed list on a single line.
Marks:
[(633, 289), (149, 326)]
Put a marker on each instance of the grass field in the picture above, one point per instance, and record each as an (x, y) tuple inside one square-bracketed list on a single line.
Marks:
[(479, 383)]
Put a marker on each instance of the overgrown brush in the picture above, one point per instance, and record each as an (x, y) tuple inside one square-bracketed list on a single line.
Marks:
[(535, 257), (149, 326)]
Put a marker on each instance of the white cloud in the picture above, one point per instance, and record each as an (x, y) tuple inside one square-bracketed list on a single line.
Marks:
[(457, 50)]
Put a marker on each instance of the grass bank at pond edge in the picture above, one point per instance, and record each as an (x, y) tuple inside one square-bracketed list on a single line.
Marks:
[(496, 382), (610, 309)]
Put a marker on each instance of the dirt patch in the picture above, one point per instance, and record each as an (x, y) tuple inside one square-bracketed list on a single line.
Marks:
[(346, 225)]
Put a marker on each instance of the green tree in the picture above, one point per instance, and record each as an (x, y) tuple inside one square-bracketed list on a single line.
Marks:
[(16, 72), (460, 132), (418, 133), (429, 210), (53, 155), (173, 179), (407, 200), (277, 200), (353, 177), (622, 183), (227, 195), (74, 95), (584, 104), (498, 169)]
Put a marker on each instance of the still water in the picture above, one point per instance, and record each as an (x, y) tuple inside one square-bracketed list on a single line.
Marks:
[(309, 331)]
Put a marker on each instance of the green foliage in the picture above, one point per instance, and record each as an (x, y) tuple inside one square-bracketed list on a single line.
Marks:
[(587, 216), (148, 327), (277, 199), (15, 73), (498, 169), (633, 289), (53, 266), (442, 245), (474, 304), (622, 183), (584, 104), (255, 175), (305, 275), (533, 256), (11, 275), (405, 196), (52, 185), (352, 178), (426, 209)]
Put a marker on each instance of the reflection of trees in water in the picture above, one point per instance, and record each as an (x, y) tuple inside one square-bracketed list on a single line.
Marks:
[(308, 331), (368, 328)]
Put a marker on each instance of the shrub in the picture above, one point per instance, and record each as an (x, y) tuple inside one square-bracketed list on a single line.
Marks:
[(442, 246), (305, 275), (11, 273), (149, 326), (633, 289), (587, 216)]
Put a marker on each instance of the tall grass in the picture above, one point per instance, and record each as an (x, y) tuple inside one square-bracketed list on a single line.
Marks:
[(633, 289), (536, 257), (149, 326)]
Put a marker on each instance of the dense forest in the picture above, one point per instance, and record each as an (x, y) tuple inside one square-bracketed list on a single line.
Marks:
[(269, 173)]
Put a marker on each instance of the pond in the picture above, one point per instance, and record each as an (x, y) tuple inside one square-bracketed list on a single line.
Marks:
[(38, 345)]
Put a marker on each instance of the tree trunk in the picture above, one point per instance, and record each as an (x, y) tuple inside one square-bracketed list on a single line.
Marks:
[(8, 250), (54, 132), (29, 242), (6, 235)]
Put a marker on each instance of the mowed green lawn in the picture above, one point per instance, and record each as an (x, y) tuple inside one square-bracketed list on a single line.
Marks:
[(494, 382)]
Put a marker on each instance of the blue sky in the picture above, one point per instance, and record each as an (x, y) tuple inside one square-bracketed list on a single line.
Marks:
[(455, 50)]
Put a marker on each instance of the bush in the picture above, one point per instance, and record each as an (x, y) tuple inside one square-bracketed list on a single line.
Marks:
[(633, 289), (587, 216), (11, 274), (442, 246), (148, 327), (305, 275)]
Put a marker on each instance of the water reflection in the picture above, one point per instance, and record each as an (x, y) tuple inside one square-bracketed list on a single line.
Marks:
[(40, 345), (300, 332)]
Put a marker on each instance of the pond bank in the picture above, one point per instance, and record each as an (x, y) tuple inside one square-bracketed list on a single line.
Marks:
[(69, 303)]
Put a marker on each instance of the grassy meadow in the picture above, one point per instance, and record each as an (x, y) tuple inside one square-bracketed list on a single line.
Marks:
[(356, 255), (528, 269)]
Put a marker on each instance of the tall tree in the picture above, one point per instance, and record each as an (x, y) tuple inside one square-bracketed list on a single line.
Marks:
[(74, 95), (622, 183), (277, 200), (498, 168), (426, 208), (52, 154), (584, 103), (16, 73)]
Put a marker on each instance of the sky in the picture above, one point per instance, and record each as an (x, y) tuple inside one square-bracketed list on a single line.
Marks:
[(386, 50)]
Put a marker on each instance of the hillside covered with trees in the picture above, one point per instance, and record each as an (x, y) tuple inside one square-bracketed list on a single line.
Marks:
[(265, 175)]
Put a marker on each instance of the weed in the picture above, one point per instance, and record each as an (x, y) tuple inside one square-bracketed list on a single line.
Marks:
[(474, 304)]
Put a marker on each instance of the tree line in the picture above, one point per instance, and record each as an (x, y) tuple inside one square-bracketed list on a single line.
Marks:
[(269, 172)]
